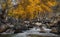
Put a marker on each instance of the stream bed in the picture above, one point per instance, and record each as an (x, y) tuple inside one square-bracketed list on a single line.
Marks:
[(30, 33)]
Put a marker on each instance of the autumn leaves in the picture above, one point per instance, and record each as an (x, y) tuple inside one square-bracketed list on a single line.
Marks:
[(30, 8)]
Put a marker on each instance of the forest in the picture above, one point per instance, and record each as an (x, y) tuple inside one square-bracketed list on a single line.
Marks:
[(20, 15)]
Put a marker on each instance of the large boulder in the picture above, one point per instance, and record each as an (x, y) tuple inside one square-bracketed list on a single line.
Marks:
[(54, 30), (3, 28)]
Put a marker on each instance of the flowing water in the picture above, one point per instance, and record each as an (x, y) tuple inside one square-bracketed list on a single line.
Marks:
[(26, 33)]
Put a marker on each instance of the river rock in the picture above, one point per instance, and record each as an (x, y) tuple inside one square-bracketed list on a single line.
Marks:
[(3, 28)]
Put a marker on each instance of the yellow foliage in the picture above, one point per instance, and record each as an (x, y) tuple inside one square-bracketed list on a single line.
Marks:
[(29, 8), (39, 8), (52, 3), (3, 6), (46, 8), (34, 1)]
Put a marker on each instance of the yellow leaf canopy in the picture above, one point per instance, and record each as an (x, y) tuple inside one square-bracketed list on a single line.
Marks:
[(29, 8)]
